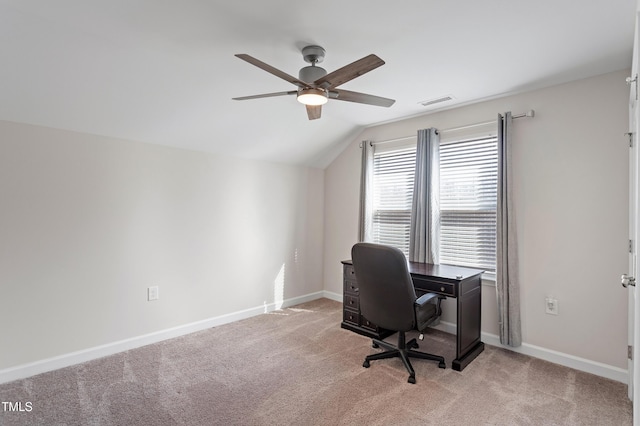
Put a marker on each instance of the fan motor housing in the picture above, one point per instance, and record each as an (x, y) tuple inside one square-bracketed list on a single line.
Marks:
[(311, 73)]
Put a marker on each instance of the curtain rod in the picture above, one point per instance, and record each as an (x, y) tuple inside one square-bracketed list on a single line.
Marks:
[(530, 113)]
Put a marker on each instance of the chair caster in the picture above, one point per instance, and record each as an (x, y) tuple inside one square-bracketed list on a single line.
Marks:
[(366, 364), (442, 365), (412, 380), (374, 345)]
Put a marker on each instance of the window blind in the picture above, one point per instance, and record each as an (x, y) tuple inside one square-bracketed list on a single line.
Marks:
[(468, 187), (393, 173)]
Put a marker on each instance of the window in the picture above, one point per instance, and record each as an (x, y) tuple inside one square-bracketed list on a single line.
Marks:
[(468, 198), (393, 170)]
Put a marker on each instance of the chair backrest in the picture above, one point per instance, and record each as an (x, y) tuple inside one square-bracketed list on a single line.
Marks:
[(387, 295)]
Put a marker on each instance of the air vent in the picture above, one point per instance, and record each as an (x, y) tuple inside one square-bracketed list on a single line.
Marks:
[(437, 100)]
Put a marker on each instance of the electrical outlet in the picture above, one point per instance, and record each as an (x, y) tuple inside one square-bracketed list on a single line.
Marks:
[(551, 306), (153, 293)]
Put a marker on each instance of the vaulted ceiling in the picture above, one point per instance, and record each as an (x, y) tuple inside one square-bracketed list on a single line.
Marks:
[(165, 72)]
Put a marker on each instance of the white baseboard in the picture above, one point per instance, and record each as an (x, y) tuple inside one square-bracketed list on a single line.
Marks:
[(73, 358), (582, 364), (333, 296)]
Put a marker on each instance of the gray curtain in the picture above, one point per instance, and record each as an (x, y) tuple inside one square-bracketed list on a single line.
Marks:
[(507, 284), (364, 226), (424, 210)]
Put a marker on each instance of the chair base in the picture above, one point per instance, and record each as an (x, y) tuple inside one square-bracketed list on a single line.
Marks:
[(403, 351)]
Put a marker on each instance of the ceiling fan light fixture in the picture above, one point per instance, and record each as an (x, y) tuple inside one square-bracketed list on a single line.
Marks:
[(311, 96), (314, 86)]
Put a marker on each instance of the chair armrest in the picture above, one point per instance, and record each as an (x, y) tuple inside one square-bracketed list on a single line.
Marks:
[(427, 309), (426, 298)]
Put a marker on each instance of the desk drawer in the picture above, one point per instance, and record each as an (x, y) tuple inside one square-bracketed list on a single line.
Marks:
[(351, 287), (435, 286), (351, 317), (365, 323), (349, 272), (351, 302)]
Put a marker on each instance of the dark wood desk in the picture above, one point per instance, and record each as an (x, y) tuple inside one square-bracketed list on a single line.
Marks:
[(464, 284)]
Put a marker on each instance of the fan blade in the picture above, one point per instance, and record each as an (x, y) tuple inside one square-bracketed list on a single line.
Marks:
[(268, 68), (266, 95), (349, 72), (361, 98), (314, 111)]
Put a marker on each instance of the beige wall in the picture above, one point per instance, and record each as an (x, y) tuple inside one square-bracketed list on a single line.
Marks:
[(571, 201), (88, 223)]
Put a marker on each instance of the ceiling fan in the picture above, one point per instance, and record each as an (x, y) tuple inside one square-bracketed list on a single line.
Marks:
[(316, 87)]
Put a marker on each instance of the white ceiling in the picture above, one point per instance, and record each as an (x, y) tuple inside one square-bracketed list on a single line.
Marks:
[(164, 72)]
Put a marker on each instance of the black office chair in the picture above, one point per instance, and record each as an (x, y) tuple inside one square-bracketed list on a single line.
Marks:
[(388, 299)]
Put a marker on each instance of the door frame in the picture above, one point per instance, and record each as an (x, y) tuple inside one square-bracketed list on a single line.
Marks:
[(634, 229)]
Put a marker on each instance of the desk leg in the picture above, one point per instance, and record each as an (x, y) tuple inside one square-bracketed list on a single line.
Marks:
[(460, 363), (468, 344)]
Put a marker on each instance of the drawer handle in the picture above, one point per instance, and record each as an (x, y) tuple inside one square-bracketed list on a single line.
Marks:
[(351, 302), (441, 288)]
